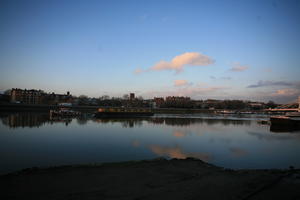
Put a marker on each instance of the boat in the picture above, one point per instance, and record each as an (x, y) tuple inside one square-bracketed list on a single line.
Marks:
[(64, 112), (293, 114), (289, 121), (226, 112), (123, 112)]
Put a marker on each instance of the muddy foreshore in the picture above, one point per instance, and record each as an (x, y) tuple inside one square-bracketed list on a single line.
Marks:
[(152, 179)]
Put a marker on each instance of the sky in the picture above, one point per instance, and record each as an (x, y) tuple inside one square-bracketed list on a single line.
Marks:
[(231, 49)]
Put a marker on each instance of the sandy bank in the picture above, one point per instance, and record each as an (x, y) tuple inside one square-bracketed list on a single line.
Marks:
[(154, 179)]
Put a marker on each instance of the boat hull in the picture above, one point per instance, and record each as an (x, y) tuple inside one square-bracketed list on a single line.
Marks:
[(284, 123), (281, 120)]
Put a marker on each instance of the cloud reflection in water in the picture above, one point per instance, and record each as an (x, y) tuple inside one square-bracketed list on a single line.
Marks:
[(237, 152), (178, 152)]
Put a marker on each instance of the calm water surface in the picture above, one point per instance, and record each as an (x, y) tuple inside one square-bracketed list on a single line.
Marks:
[(32, 139)]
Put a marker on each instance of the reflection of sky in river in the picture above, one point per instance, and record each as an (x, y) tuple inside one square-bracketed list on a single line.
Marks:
[(230, 143)]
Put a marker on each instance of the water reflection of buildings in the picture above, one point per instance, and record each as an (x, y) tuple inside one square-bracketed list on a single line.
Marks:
[(25, 120), (64, 120), (172, 121), (189, 121), (126, 123), (29, 119)]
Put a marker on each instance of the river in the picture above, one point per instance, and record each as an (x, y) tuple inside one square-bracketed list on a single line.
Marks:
[(32, 139)]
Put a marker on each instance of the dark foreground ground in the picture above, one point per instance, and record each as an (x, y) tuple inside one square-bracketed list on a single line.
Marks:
[(154, 179)]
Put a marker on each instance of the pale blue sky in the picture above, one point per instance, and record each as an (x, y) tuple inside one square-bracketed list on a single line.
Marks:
[(94, 47)]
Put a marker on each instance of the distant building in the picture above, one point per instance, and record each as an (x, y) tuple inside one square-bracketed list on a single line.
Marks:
[(159, 101), (132, 96), (210, 104), (26, 96), (299, 104), (198, 103), (38, 97), (178, 102), (58, 98), (176, 98), (256, 105)]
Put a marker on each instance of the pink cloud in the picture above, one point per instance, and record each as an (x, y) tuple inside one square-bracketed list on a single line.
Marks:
[(138, 71), (180, 83), (287, 92), (284, 96), (268, 69), (178, 63), (239, 68)]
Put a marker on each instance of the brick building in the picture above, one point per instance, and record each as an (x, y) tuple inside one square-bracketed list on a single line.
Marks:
[(26, 96), (178, 102), (131, 96), (159, 101), (38, 97), (54, 99), (177, 99)]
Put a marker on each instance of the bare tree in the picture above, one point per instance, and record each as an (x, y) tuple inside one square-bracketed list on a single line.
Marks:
[(83, 100), (104, 97), (7, 92), (140, 98), (126, 96)]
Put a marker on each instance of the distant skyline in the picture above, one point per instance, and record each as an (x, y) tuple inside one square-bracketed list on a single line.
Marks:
[(231, 49)]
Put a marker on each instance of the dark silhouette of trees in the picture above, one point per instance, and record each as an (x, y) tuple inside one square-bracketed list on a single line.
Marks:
[(271, 104), (83, 100)]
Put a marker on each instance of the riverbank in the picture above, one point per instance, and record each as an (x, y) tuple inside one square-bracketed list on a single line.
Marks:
[(42, 108), (46, 108), (153, 179)]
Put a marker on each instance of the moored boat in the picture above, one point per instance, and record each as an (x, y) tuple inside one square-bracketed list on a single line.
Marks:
[(291, 122), (226, 112), (64, 112), (123, 112)]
